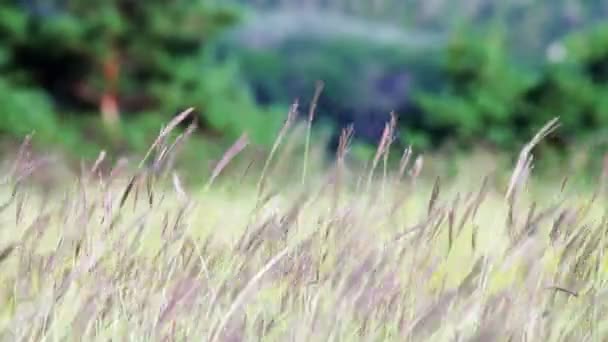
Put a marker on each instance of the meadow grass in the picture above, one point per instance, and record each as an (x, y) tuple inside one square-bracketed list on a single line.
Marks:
[(130, 253)]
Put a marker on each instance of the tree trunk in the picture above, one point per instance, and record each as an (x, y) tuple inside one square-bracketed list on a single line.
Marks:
[(109, 100)]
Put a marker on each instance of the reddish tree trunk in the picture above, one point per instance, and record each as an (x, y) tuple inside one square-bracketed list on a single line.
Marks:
[(109, 100)]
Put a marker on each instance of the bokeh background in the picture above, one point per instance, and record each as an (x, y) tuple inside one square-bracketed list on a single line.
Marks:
[(86, 75)]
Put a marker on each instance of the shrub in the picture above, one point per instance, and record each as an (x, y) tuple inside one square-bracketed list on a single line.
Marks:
[(487, 96)]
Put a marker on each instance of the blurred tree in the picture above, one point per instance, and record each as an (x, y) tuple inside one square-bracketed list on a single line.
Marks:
[(489, 97), (123, 57), (482, 86), (141, 62)]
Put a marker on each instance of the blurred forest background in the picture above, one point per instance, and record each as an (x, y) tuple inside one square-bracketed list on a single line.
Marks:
[(86, 75)]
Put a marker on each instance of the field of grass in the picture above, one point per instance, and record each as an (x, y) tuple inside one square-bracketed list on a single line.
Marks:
[(129, 253)]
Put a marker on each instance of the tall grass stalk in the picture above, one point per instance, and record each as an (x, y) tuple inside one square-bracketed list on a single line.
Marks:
[(311, 117), (291, 117)]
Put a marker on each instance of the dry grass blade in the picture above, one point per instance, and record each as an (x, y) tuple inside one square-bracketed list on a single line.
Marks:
[(465, 217), (417, 169), (184, 289), (311, 115), (179, 189), (165, 131), (483, 191), (172, 150), (545, 214), (573, 243), (492, 326), (291, 117), (127, 191), (529, 218), (381, 150), (5, 205), (19, 208), (318, 261), (98, 161), (434, 195), (343, 148), (150, 189), (391, 138), (405, 159), (6, 252), (525, 157), (31, 167), (426, 323), (344, 143), (313, 106), (469, 284), (235, 149), (240, 298), (555, 232), (418, 228), (439, 219), (21, 156), (36, 228), (563, 184), (474, 238), (451, 219), (563, 290)]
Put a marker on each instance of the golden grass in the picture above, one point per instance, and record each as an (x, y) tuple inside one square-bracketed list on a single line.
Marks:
[(341, 255)]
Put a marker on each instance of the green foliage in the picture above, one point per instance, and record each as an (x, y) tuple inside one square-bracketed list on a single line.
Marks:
[(53, 55), (228, 105), (53, 58), (473, 90), (24, 110), (481, 89), (489, 97), (575, 87)]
